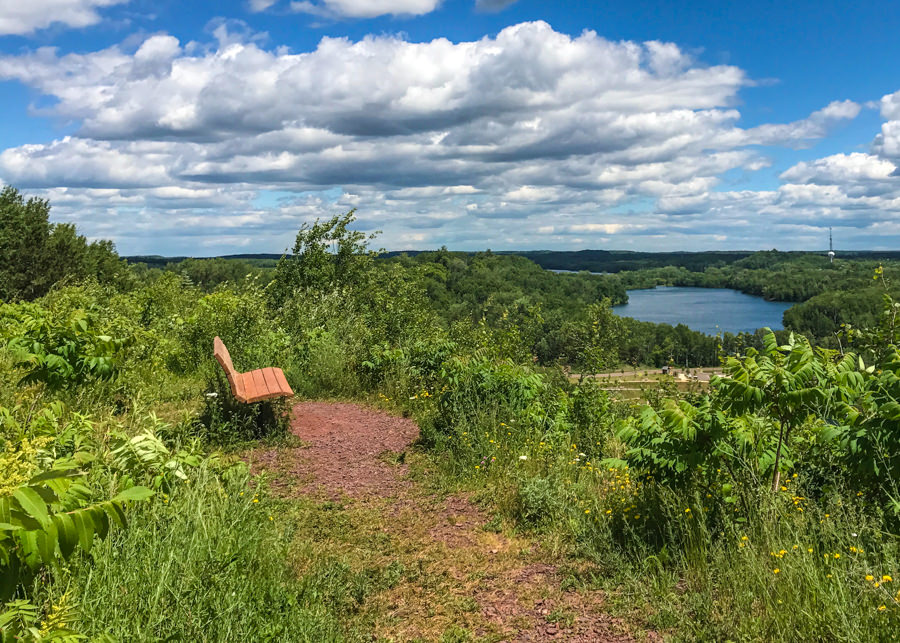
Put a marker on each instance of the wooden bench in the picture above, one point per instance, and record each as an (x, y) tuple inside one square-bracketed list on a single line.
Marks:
[(253, 386)]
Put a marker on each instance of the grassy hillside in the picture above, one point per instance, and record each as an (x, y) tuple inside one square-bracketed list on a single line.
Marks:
[(764, 508)]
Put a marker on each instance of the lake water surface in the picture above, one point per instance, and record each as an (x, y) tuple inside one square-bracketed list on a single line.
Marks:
[(708, 310)]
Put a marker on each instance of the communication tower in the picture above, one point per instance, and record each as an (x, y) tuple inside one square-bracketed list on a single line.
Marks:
[(830, 246)]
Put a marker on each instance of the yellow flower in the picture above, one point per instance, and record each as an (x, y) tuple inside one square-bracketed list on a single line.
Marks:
[(886, 579), (256, 500), (837, 555), (688, 510), (776, 571), (809, 549), (609, 511), (587, 511), (869, 577), (881, 608)]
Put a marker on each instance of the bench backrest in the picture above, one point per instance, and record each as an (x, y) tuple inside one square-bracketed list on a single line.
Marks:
[(224, 359)]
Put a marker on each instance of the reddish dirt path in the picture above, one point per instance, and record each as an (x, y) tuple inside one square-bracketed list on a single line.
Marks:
[(507, 587)]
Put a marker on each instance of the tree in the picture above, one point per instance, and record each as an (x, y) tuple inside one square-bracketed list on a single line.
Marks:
[(327, 255), (35, 254)]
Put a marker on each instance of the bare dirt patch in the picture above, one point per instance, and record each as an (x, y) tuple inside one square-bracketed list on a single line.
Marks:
[(459, 577)]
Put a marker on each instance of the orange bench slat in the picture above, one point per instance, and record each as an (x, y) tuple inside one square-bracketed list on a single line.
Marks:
[(250, 391), (261, 389), (282, 381), (271, 381)]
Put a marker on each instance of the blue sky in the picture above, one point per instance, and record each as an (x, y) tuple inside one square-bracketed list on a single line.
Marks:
[(217, 127)]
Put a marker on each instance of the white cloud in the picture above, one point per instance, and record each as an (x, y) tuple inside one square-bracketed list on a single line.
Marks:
[(23, 17), (472, 144), (839, 169), (364, 8), (260, 5)]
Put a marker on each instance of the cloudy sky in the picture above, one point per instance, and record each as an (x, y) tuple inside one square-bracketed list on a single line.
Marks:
[(207, 128)]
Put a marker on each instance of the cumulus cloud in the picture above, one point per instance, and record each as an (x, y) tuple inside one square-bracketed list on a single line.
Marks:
[(472, 144), (26, 16)]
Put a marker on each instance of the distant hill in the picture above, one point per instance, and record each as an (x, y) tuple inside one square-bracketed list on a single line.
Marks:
[(576, 260)]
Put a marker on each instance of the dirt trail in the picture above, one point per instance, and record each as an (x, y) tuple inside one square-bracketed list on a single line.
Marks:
[(459, 574)]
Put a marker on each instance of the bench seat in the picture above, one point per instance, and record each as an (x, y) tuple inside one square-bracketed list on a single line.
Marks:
[(252, 386)]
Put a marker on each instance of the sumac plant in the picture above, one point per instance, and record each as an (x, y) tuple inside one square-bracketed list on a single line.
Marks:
[(750, 423), (58, 350), (44, 520)]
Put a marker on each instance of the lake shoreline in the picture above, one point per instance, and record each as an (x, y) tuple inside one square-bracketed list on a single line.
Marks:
[(707, 310)]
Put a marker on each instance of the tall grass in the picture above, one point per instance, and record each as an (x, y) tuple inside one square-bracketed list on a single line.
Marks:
[(211, 562)]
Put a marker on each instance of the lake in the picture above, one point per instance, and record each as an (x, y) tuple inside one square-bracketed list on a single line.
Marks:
[(708, 310)]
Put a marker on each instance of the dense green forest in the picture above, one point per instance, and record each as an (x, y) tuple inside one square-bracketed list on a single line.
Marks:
[(765, 508), (551, 308)]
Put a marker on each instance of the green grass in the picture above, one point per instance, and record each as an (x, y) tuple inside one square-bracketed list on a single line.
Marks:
[(211, 562)]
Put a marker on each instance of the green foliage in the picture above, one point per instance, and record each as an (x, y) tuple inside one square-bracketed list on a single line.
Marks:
[(539, 501), (210, 273), (211, 561), (59, 351), (44, 520), (230, 423), (326, 255), (35, 254)]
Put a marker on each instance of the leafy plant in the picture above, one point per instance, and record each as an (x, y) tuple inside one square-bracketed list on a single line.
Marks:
[(44, 520), (60, 350)]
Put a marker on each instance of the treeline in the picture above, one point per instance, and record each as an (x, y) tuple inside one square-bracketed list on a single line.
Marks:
[(36, 254)]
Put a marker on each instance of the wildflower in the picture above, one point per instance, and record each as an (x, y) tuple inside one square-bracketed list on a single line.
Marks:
[(523, 457), (869, 577), (744, 538), (688, 510), (809, 549), (837, 555), (609, 511), (776, 571), (827, 575), (587, 511), (886, 579), (271, 518), (881, 608), (256, 500)]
